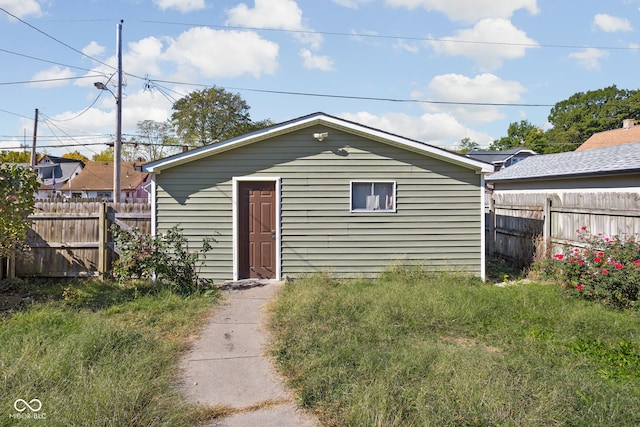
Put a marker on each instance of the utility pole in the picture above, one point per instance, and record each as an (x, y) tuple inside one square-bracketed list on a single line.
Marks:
[(117, 147), (33, 146)]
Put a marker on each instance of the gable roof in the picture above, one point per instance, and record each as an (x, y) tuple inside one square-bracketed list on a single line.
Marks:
[(312, 120), (98, 176), (610, 138), (618, 159), (498, 156)]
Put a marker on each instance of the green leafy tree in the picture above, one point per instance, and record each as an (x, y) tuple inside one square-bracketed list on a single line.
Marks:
[(575, 119), (104, 156), (211, 115), (76, 156), (15, 156), (17, 196), (466, 145), (521, 134)]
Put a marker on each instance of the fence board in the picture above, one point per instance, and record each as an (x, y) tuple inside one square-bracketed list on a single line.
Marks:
[(520, 221), (71, 238)]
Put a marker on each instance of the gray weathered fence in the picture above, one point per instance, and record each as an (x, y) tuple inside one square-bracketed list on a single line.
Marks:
[(72, 238), (524, 226)]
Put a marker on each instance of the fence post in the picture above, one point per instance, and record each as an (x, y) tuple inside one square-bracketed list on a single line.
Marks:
[(546, 230), (102, 240), (492, 227)]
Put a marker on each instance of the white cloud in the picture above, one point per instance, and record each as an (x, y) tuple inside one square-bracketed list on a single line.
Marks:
[(180, 5), (589, 58), (352, 4), (483, 49), (21, 8), (93, 49), (279, 14), (470, 10), (54, 73), (218, 53), (481, 89), (142, 56), (611, 24), (409, 47), (440, 129), (316, 62)]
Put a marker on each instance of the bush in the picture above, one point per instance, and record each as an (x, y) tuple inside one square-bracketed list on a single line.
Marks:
[(166, 257), (605, 269)]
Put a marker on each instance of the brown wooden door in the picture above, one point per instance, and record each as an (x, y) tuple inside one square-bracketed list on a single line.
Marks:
[(257, 225)]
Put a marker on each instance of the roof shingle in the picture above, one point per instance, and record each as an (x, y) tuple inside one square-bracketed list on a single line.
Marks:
[(607, 160)]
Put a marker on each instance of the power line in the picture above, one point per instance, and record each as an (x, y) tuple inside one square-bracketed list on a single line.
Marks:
[(383, 36), (50, 80), (365, 98), (46, 60)]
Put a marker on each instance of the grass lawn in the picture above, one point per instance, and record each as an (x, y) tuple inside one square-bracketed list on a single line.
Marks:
[(413, 349), (95, 354)]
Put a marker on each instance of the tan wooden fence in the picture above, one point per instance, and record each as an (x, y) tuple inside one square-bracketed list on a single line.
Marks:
[(73, 238), (521, 225)]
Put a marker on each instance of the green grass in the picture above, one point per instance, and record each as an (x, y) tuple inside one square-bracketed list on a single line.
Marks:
[(98, 355), (413, 349)]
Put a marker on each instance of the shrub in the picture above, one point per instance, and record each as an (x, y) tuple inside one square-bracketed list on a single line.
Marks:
[(605, 269), (166, 257)]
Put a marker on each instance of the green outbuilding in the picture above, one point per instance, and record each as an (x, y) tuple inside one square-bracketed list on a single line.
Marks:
[(323, 194)]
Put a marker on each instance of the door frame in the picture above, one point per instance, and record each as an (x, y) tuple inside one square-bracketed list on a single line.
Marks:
[(236, 221)]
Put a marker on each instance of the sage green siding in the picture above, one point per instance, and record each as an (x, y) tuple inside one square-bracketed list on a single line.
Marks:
[(437, 222)]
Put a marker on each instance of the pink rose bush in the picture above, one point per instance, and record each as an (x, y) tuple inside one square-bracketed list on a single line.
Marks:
[(605, 269)]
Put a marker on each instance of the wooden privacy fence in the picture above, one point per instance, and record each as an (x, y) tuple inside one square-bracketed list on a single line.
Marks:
[(524, 226), (72, 238)]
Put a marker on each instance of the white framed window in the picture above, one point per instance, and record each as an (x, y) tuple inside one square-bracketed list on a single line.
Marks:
[(373, 196)]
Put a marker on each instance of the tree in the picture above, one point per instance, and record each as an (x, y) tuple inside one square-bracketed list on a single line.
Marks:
[(466, 145), (575, 119), (521, 134), (104, 156), (15, 156), (76, 156), (155, 141), (211, 115), (17, 191)]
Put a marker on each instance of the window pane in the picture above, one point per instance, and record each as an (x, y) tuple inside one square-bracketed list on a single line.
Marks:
[(360, 192), (384, 190)]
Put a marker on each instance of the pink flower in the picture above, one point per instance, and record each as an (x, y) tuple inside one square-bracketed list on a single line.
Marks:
[(581, 262), (572, 260), (606, 239), (637, 262), (596, 259), (584, 227), (559, 256), (618, 265), (579, 287), (600, 253), (605, 271)]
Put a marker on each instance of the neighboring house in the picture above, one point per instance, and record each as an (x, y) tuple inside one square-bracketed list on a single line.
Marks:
[(96, 181), (322, 194), (501, 159), (54, 173), (616, 167), (630, 132)]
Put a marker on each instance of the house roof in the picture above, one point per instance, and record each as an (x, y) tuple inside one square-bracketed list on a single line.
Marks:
[(98, 176), (618, 159), (497, 156), (611, 137), (331, 122)]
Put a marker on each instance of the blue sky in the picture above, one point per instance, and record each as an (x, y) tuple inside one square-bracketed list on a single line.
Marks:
[(434, 70)]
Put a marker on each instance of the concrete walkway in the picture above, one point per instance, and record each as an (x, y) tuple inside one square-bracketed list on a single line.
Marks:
[(228, 365)]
